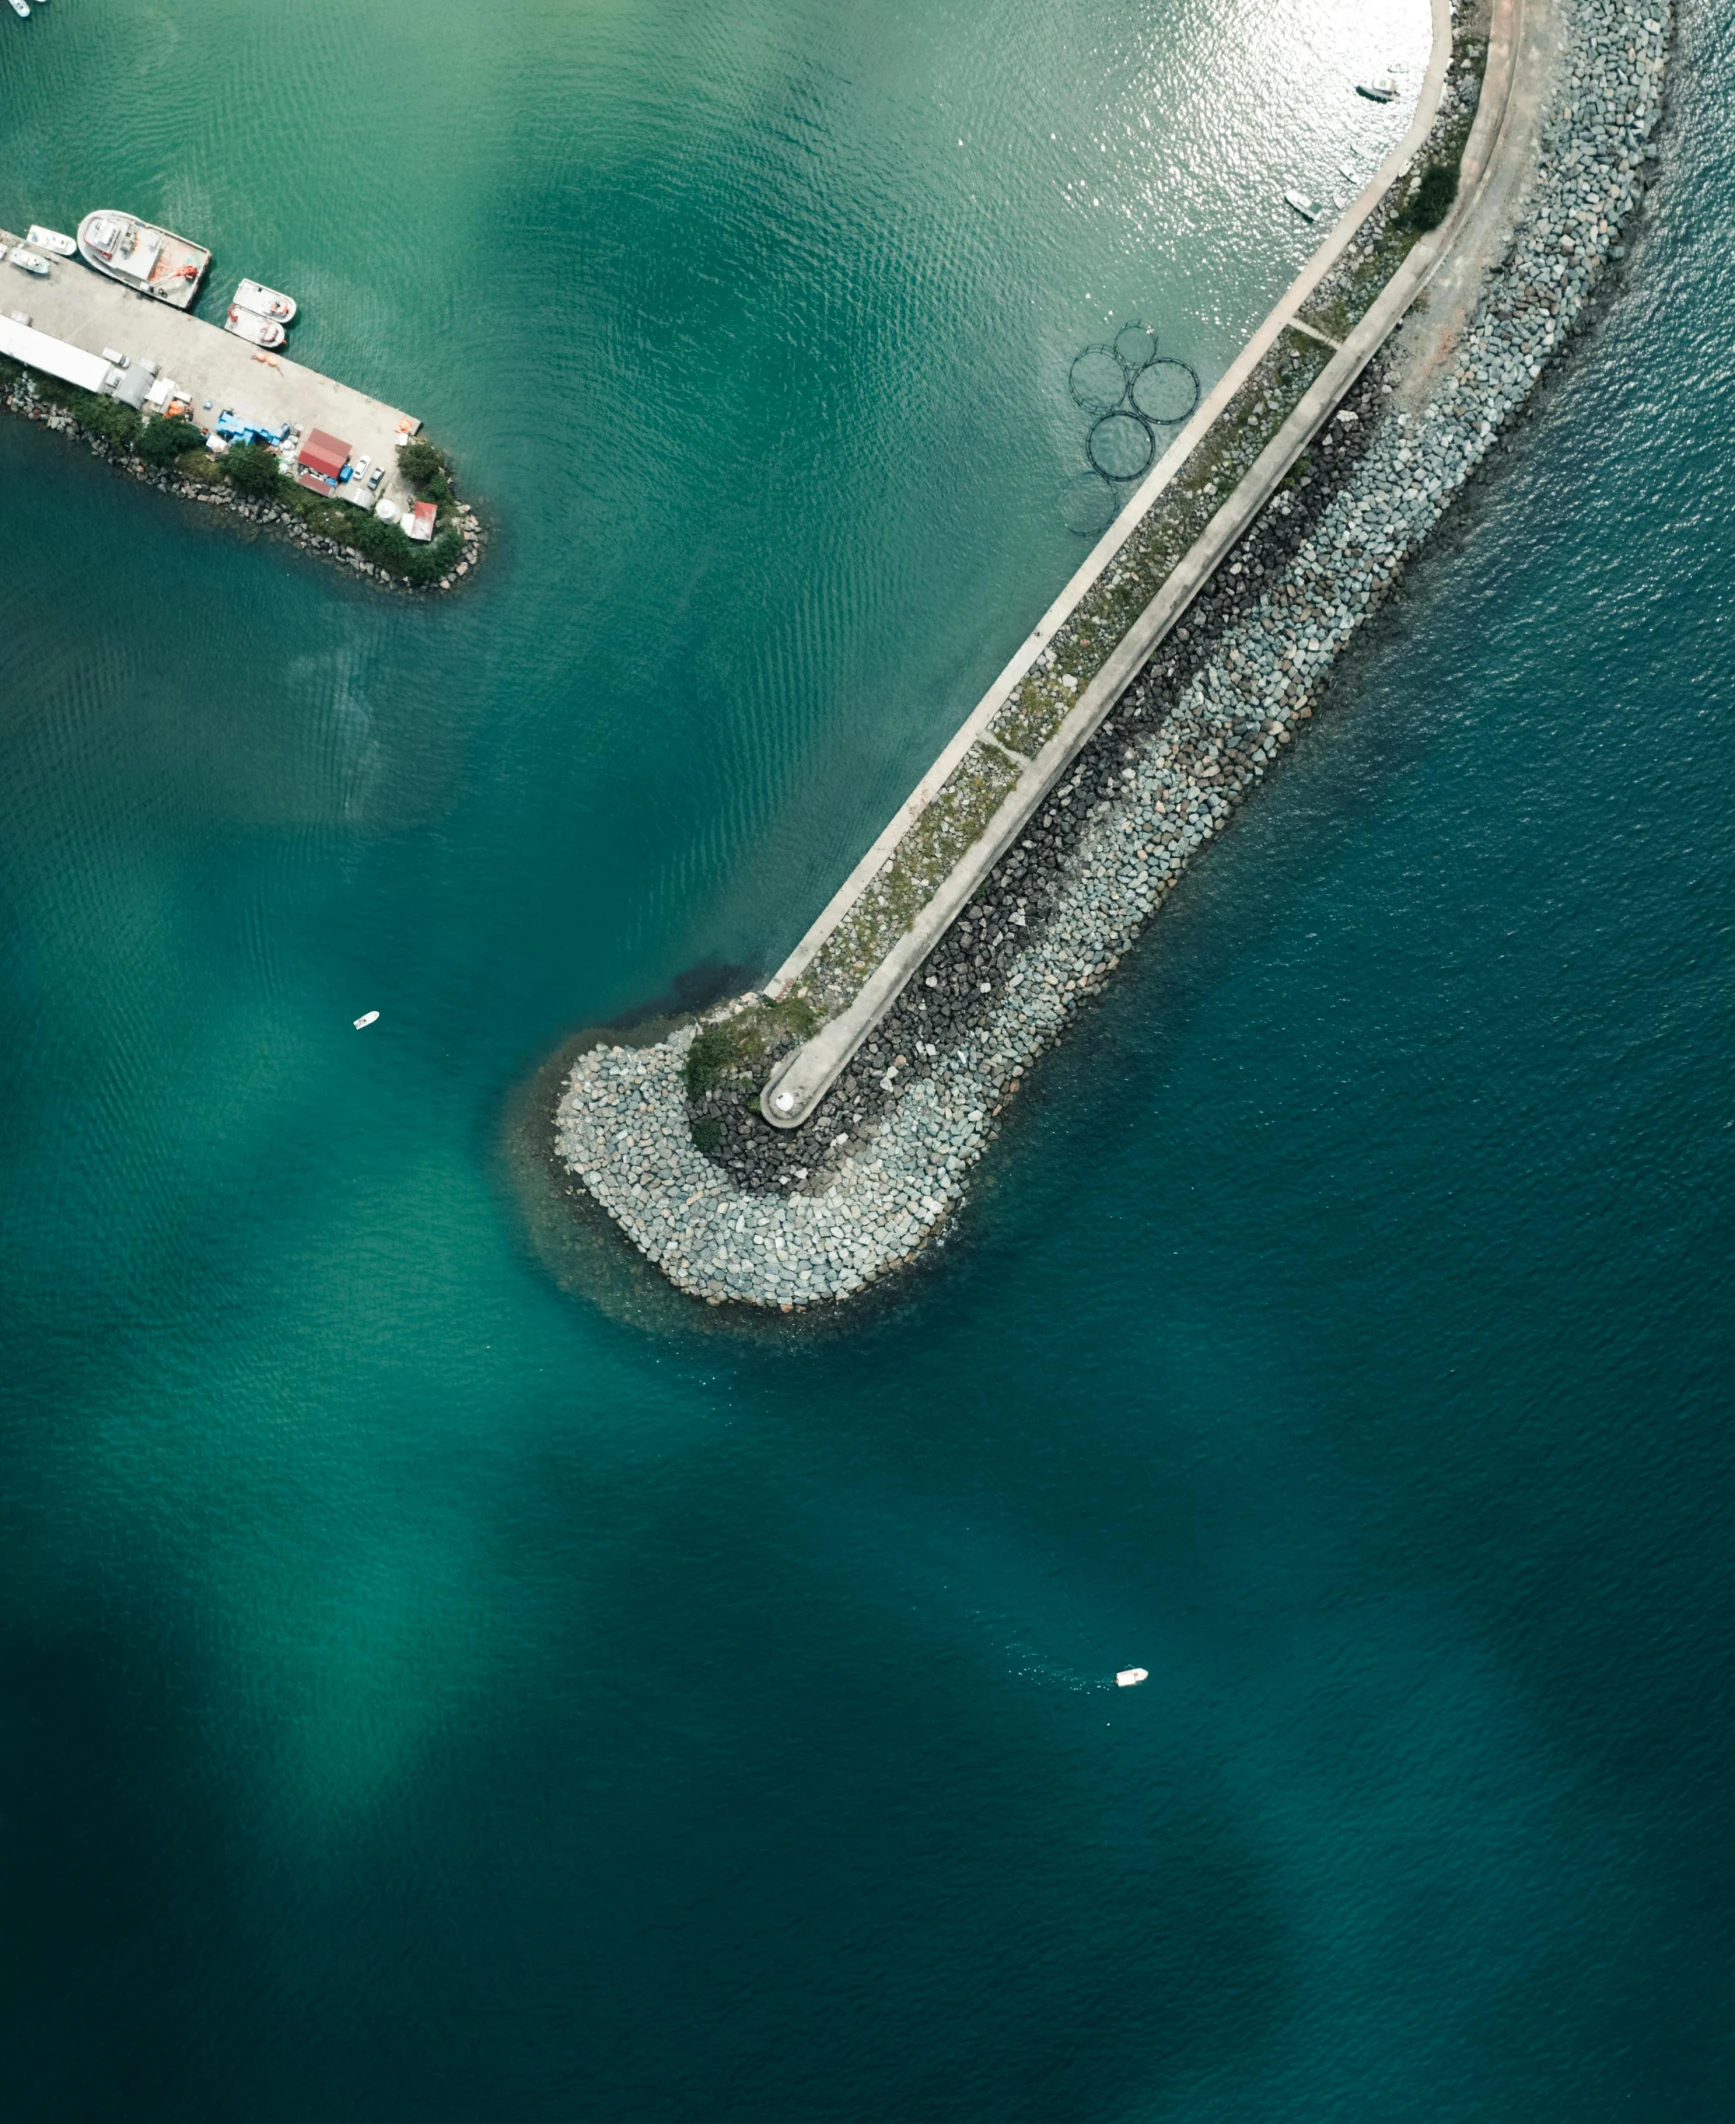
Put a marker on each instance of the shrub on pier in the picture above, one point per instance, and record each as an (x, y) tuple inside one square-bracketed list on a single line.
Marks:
[(1434, 196), (426, 469), (164, 440), (388, 547), (116, 424), (737, 1046), (253, 469)]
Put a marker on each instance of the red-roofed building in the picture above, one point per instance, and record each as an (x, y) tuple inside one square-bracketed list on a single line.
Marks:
[(421, 523), (323, 454)]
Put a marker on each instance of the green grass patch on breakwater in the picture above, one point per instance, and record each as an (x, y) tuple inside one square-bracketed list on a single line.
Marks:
[(727, 1057), (741, 1041), (251, 470), (1418, 201), (942, 834)]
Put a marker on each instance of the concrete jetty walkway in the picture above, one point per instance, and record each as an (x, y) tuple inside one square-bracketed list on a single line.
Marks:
[(77, 304)]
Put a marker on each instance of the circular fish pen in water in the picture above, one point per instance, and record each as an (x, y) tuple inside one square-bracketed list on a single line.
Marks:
[(1165, 391), (1097, 379), (1121, 446), (1135, 347), (1089, 504), (1130, 391)]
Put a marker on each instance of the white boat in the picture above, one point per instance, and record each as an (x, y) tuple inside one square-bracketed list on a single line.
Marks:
[(21, 8), (1378, 91), (1130, 1677), (248, 324), (265, 302), (41, 239), (141, 256), (367, 1018), (1304, 207), (28, 262)]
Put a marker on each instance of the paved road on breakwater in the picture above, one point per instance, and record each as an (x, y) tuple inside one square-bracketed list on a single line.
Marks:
[(796, 1088)]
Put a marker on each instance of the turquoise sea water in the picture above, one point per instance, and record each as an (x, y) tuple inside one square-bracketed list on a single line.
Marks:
[(438, 1681)]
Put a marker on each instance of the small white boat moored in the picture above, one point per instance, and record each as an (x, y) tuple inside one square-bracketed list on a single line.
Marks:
[(1378, 91), (248, 324), (265, 302), (368, 1017), (41, 239), (1304, 207), (21, 8), (1130, 1677), (28, 262)]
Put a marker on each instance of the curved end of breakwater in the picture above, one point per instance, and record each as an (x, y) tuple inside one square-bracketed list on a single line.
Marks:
[(1195, 706)]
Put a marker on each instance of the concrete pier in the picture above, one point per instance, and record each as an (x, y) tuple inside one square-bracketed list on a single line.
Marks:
[(79, 305)]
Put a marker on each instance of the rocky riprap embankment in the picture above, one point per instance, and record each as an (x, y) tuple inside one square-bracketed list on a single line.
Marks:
[(819, 1212), (280, 523)]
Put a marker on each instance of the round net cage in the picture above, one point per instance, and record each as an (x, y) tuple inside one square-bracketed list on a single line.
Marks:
[(1097, 380), (1121, 446), (1135, 347), (1088, 504), (1165, 391)]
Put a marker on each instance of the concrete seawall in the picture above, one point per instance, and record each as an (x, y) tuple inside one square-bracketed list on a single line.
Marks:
[(1562, 159)]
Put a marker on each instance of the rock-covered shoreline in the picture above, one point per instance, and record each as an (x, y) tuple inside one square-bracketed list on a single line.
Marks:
[(17, 398), (787, 1220)]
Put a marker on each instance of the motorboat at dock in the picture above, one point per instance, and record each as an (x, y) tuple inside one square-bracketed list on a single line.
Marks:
[(1304, 207), (248, 324), (27, 261), (139, 255), (264, 302), (41, 239)]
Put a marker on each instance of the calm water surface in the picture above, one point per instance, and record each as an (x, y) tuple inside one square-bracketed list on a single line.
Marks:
[(438, 1681)]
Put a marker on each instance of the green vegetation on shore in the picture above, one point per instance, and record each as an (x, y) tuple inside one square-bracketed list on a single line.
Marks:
[(1434, 196), (178, 445), (1416, 204), (739, 1043)]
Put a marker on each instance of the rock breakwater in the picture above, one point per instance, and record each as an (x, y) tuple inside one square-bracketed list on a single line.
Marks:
[(793, 1219)]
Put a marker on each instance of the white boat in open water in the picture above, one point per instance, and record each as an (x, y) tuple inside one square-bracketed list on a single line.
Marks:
[(139, 255), (21, 8)]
